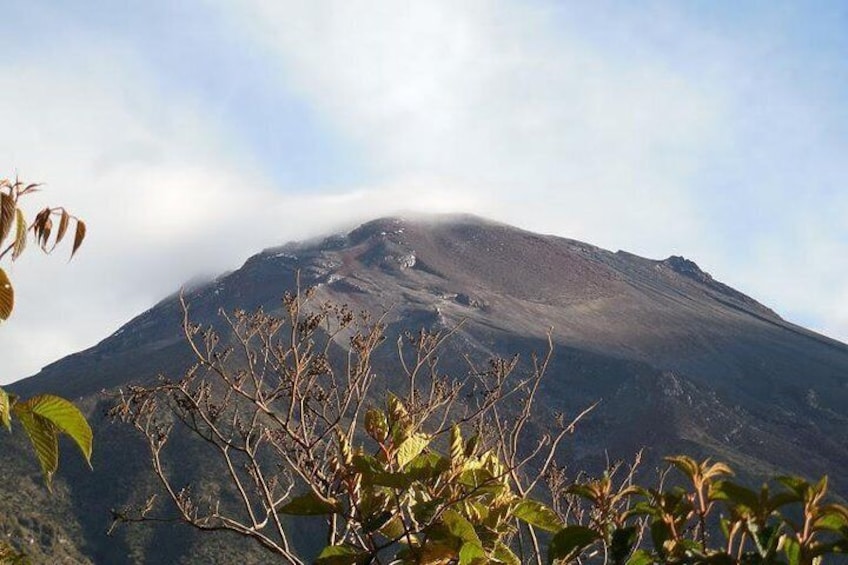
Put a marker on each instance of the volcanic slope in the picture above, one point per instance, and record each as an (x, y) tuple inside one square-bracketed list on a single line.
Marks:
[(679, 361)]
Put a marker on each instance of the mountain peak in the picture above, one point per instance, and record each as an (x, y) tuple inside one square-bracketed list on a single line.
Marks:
[(396, 224), (681, 361), (686, 267)]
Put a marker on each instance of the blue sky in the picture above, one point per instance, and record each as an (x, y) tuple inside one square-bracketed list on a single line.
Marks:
[(193, 134)]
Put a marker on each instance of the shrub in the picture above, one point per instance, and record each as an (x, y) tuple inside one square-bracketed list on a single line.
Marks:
[(43, 417), (419, 467)]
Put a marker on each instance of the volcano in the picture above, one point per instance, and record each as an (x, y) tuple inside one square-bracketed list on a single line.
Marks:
[(678, 362)]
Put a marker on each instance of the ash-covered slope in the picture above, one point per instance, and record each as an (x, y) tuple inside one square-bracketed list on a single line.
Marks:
[(680, 361)]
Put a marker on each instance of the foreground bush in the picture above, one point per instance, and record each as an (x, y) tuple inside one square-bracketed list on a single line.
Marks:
[(43, 417), (707, 519), (419, 467)]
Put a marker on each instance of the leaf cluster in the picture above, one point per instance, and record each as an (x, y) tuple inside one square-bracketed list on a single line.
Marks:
[(45, 416), (41, 229), (441, 470), (425, 506), (708, 519), (285, 405)]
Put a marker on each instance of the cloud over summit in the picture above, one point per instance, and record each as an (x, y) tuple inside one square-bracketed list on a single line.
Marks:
[(192, 134)]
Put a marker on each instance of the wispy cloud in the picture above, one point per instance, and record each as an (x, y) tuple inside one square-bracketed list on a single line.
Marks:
[(658, 129), (492, 97), (191, 135), (166, 195)]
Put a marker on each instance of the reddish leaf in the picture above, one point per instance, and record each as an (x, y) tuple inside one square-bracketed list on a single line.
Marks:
[(7, 296), (20, 235), (63, 226), (7, 215), (78, 236), (38, 225), (45, 232)]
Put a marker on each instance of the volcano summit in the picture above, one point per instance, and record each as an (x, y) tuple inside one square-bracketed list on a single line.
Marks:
[(679, 362)]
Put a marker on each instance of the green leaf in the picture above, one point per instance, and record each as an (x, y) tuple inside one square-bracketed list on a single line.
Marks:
[(400, 481), (456, 448), (20, 235), (471, 445), (821, 486), (833, 521), (796, 484), (411, 448), (792, 550), (424, 511), (7, 296), (643, 508), (366, 464), (583, 491), (5, 415), (505, 555), (341, 555), (374, 475), (738, 495), (394, 528), (65, 417), (623, 540), (430, 553), (659, 535), (476, 511), (724, 526), (765, 537), (309, 504), (641, 557), (376, 425), (782, 499), (42, 434), (684, 464), (539, 515), (570, 542), (475, 478), (428, 466), (472, 554), (459, 527), (399, 421)]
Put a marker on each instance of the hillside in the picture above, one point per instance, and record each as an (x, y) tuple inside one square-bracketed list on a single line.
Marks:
[(679, 361)]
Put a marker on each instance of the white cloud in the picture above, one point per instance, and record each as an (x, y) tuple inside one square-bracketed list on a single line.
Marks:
[(648, 130), (164, 195), (140, 166), (495, 98), (506, 109)]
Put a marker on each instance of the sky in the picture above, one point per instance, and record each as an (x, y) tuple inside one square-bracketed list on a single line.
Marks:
[(192, 134)]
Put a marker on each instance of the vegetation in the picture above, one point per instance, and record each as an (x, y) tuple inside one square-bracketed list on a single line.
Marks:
[(43, 417), (442, 471), (706, 519), (282, 407)]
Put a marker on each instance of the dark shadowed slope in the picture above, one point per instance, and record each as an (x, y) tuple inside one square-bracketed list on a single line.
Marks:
[(680, 361)]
